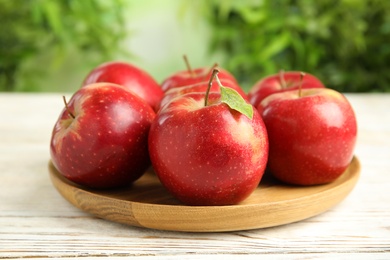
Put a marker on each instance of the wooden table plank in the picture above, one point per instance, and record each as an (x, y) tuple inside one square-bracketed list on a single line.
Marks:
[(35, 221)]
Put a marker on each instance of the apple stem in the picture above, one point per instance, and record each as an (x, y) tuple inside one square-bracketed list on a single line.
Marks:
[(188, 65), (213, 75), (211, 70), (67, 107), (300, 84), (282, 80)]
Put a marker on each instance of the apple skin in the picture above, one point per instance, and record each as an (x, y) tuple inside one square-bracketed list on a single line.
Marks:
[(131, 77), (207, 156), (105, 145), (200, 87), (202, 74), (283, 81), (311, 137)]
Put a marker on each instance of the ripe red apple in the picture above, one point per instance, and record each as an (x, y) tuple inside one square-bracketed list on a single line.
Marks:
[(312, 135), (100, 137), (283, 81), (199, 87), (208, 154), (194, 76), (129, 76)]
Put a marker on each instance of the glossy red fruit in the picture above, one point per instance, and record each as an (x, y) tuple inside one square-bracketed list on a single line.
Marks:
[(312, 135), (100, 140), (207, 155), (186, 77), (283, 81), (131, 77), (199, 87)]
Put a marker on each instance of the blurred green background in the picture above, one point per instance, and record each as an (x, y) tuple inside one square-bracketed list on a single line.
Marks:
[(50, 45)]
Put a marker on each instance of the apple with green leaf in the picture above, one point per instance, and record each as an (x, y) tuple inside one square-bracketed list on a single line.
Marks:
[(199, 87), (100, 138), (283, 81), (209, 148), (312, 135)]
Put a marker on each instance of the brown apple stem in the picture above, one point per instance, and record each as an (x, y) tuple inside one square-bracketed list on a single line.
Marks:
[(67, 107), (214, 74), (300, 84), (211, 70), (188, 65), (282, 80)]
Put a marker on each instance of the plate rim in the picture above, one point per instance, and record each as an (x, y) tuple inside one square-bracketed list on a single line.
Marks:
[(133, 213)]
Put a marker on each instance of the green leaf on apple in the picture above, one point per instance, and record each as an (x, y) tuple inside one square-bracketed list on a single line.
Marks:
[(235, 101)]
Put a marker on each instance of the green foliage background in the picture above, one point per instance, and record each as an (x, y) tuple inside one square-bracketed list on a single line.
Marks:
[(33, 30), (346, 43)]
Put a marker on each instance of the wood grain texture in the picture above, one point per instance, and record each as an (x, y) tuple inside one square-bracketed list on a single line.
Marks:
[(37, 222), (147, 204)]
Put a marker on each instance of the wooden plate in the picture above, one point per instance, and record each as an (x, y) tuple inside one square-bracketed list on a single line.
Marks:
[(147, 204)]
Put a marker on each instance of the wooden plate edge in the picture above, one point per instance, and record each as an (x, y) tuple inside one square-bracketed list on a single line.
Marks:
[(215, 219)]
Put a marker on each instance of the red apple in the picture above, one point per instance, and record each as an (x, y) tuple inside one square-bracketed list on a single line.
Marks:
[(194, 76), (208, 154), (283, 81), (129, 76), (199, 87), (312, 135), (100, 137)]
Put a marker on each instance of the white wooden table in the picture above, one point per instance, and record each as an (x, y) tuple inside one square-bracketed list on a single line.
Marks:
[(36, 222)]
